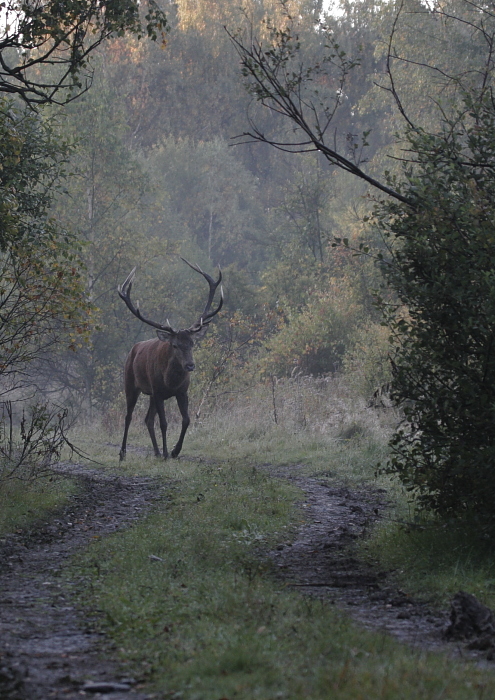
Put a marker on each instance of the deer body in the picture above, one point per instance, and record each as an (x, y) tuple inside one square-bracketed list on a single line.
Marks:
[(152, 368), (161, 367)]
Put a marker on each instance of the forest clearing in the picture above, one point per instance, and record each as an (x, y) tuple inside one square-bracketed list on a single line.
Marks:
[(275, 220)]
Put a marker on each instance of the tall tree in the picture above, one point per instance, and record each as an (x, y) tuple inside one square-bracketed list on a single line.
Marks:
[(210, 198), (109, 205), (438, 228), (45, 51), (42, 298)]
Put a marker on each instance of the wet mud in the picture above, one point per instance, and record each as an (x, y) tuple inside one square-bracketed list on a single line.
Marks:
[(322, 561), (47, 648)]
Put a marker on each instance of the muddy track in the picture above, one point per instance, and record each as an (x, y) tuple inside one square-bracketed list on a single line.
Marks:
[(321, 561), (47, 649)]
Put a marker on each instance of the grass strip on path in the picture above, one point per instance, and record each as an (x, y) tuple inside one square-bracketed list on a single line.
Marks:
[(23, 503), (194, 609)]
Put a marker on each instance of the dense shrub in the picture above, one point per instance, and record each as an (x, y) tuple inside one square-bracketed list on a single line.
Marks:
[(443, 270), (313, 340), (366, 364)]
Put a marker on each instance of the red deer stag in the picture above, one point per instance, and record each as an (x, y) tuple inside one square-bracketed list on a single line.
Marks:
[(160, 368)]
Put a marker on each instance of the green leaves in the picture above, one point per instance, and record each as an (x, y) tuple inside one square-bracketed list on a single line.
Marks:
[(442, 271), (60, 35), (42, 299), (32, 160)]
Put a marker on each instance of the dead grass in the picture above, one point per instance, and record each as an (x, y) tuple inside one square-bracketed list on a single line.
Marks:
[(318, 423)]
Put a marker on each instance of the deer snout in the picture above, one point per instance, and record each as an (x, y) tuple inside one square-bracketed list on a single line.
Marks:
[(190, 366)]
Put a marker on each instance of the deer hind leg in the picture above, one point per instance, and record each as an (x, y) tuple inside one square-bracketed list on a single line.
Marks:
[(150, 424), (132, 398), (183, 404), (163, 424)]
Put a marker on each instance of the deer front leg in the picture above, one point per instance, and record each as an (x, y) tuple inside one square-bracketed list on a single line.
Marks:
[(132, 397), (183, 404), (159, 403)]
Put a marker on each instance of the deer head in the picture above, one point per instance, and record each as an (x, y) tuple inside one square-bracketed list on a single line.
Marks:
[(182, 340)]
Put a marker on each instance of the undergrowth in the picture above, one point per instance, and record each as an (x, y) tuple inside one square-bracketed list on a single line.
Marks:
[(434, 560), (301, 420)]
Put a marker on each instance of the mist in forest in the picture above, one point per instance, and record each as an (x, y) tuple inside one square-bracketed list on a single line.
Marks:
[(157, 168)]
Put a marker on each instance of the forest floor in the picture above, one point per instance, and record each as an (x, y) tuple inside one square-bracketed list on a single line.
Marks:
[(49, 650)]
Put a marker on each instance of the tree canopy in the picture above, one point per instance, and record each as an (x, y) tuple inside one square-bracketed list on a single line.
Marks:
[(46, 47)]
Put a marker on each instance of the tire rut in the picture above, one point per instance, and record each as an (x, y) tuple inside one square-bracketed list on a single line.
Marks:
[(322, 561), (47, 648)]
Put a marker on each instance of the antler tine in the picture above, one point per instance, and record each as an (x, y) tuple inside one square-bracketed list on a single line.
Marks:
[(207, 315), (194, 266), (125, 287), (124, 291)]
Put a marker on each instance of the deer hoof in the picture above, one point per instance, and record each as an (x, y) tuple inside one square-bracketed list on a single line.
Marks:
[(121, 455), (175, 453)]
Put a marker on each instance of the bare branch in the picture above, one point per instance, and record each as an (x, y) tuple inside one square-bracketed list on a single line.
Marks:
[(278, 83), (63, 36)]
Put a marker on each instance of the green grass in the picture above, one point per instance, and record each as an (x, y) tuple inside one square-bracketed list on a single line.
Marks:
[(191, 602), (194, 609), (22, 503), (436, 560)]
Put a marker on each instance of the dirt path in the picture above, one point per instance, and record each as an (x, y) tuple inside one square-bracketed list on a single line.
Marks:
[(321, 561), (47, 650)]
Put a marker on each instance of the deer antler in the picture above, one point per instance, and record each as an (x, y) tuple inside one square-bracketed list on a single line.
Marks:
[(124, 291), (207, 315)]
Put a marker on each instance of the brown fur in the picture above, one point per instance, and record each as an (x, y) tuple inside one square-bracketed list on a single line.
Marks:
[(160, 369)]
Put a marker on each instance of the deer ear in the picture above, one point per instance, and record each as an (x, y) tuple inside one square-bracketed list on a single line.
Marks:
[(165, 335)]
